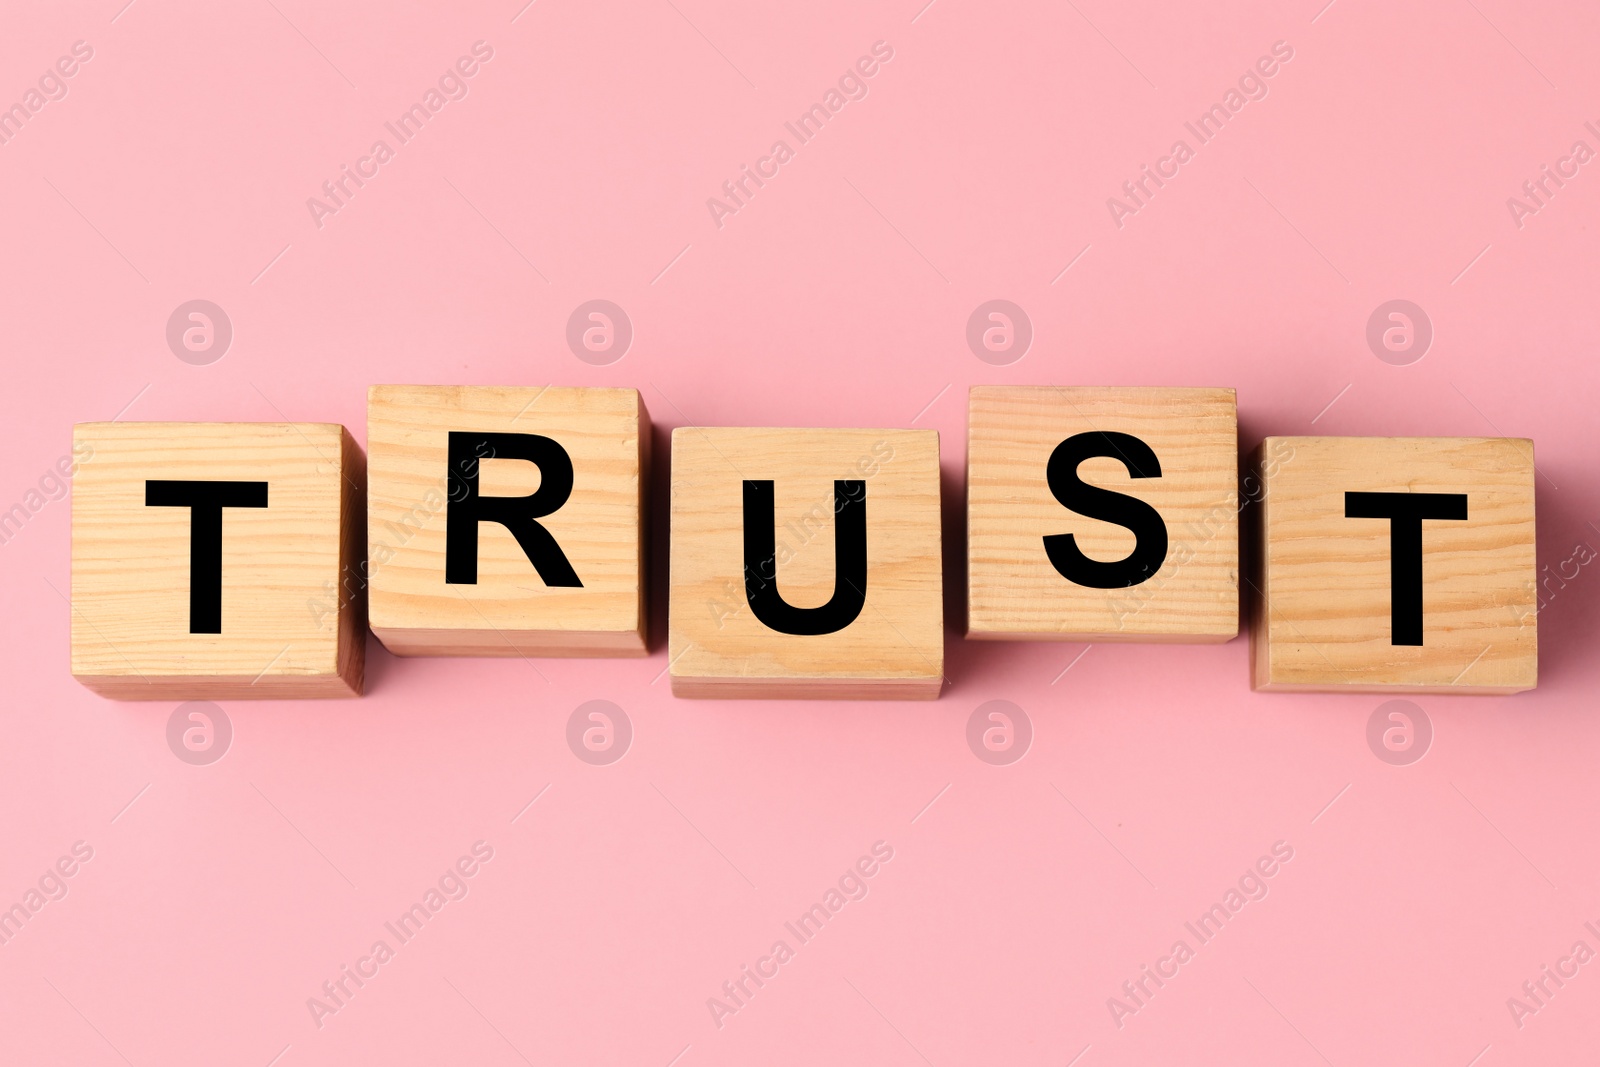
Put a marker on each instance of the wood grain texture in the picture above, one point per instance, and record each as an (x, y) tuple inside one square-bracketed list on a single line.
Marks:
[(292, 604), (1013, 591), (895, 647), (510, 611), (1321, 612)]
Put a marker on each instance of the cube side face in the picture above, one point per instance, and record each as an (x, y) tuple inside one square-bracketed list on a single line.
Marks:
[(510, 609), (1263, 463), (288, 625), (350, 598), (894, 646), (1013, 589), (1327, 620)]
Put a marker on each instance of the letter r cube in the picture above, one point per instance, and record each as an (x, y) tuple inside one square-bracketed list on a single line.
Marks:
[(507, 521)]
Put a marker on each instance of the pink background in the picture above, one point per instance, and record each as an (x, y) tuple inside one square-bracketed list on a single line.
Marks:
[(221, 897)]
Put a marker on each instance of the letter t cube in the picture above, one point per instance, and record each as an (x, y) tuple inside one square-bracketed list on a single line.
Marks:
[(1395, 564), (217, 561)]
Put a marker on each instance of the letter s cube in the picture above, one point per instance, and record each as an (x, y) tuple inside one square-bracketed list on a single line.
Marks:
[(1102, 514)]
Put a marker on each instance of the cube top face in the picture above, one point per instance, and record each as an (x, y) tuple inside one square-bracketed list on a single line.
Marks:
[(1187, 593), (287, 623), (441, 454), (1336, 612), (819, 485)]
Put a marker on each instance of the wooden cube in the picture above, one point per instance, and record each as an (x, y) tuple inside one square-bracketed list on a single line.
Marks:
[(806, 564), (1102, 514), (507, 520), (217, 561), (1396, 564)]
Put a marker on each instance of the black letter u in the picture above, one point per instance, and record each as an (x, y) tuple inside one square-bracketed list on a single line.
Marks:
[(849, 561)]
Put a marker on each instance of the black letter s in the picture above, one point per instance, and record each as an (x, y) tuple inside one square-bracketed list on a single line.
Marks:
[(1150, 548)]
